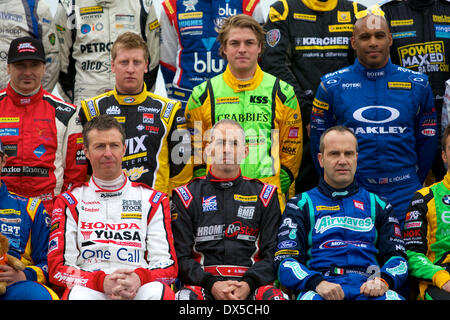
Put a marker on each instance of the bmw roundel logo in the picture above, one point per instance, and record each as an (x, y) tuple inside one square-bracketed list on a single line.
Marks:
[(446, 199)]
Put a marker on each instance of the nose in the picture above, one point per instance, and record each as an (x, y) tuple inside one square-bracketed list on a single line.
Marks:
[(27, 71), (108, 152), (130, 68), (242, 47), (373, 41), (342, 160), (227, 147)]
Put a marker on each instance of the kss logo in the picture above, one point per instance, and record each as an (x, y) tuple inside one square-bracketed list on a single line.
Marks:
[(446, 199)]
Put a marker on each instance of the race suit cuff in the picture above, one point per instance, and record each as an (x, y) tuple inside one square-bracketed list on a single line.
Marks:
[(209, 281), (99, 280), (30, 274), (143, 275), (440, 278), (313, 282), (252, 283), (389, 281)]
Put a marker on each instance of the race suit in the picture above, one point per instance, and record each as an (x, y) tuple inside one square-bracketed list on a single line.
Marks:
[(391, 111), (345, 236), (421, 42), (87, 30), (157, 142), (426, 238), (267, 109), (26, 224), (305, 40), (43, 141), (29, 18), (225, 229), (95, 232), (189, 48)]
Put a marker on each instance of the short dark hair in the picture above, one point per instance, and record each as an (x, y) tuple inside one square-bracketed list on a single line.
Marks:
[(101, 123), (445, 135), (338, 128)]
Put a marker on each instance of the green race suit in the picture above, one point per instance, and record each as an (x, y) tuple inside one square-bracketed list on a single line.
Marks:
[(427, 235), (269, 112)]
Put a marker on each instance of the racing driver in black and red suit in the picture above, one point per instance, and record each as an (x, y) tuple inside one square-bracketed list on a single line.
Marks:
[(224, 226)]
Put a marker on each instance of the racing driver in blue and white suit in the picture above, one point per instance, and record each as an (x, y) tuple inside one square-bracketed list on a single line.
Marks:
[(189, 45), (338, 241), (389, 108)]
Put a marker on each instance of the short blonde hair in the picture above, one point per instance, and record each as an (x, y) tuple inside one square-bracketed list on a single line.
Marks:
[(130, 40)]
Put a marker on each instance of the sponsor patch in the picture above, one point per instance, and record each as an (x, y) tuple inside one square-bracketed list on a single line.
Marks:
[(156, 197), (293, 133), (344, 16), (168, 111), (399, 85), (320, 104), (91, 10), (266, 194), (340, 28), (154, 25), (397, 23), (9, 132), (404, 34), (442, 30), (328, 208), (246, 212), (305, 17), (446, 199), (273, 37), (185, 195), (69, 198), (242, 198), (358, 204), (209, 203), (9, 120), (227, 100)]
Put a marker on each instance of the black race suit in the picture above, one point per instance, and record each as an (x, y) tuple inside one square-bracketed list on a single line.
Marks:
[(225, 229)]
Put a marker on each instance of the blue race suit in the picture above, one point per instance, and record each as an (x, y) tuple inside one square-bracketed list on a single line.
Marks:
[(189, 46), (343, 236), (392, 113), (26, 224)]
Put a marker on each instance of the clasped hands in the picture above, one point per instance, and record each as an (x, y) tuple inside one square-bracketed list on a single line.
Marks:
[(122, 284)]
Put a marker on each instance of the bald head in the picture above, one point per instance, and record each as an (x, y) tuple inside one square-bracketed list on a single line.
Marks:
[(371, 21), (371, 40)]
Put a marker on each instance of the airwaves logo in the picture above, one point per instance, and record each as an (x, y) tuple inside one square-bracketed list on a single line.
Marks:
[(350, 223)]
